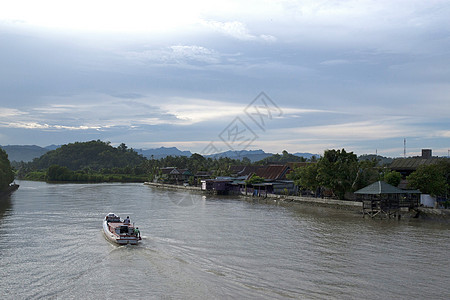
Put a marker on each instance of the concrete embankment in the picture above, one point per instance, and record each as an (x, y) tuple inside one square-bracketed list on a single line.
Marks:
[(353, 205), (424, 213), (173, 186), (342, 204), (434, 214)]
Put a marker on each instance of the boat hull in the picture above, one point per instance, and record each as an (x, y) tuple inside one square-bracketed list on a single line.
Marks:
[(120, 239)]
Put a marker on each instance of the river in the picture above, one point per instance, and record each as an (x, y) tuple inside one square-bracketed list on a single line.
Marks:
[(199, 246)]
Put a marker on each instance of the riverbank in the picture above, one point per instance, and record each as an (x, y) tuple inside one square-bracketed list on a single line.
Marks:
[(434, 214), (9, 190), (424, 213), (342, 204), (173, 186)]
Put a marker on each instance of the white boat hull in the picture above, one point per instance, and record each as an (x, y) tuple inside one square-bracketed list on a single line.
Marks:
[(121, 239)]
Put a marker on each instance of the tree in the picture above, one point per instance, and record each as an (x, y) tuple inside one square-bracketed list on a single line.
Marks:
[(284, 158), (430, 179), (6, 171), (122, 147), (337, 170), (246, 161), (58, 173), (95, 155), (392, 177), (367, 173), (305, 177)]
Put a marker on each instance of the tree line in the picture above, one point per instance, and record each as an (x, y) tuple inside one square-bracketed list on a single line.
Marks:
[(338, 171), (6, 171), (341, 172)]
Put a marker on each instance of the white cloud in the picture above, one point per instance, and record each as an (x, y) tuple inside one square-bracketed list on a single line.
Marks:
[(35, 125), (375, 129), (103, 15), (10, 112), (191, 111), (237, 30), (361, 61), (177, 54)]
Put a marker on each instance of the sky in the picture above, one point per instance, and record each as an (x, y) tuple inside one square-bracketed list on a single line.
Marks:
[(211, 76)]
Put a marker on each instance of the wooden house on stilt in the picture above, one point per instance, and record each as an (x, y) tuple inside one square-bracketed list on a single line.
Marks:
[(382, 199)]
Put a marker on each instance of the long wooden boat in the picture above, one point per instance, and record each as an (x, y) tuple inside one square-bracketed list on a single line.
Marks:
[(118, 231)]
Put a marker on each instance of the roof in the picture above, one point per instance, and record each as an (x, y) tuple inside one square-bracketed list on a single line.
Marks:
[(167, 170), (243, 170), (272, 172), (380, 187), (413, 163)]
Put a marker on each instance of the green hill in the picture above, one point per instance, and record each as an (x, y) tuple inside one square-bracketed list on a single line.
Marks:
[(285, 157), (94, 155), (6, 172)]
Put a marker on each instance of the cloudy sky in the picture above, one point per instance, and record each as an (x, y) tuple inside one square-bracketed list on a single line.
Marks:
[(208, 76)]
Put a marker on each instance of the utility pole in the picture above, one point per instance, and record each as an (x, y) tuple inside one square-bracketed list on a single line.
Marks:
[(404, 148)]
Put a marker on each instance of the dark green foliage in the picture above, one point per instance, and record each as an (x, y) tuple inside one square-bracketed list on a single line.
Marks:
[(6, 171), (367, 173), (35, 176), (431, 179), (393, 178), (381, 160), (59, 174), (285, 157), (337, 170), (306, 177), (220, 166), (94, 155)]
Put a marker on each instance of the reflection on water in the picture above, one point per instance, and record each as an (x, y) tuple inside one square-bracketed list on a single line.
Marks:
[(5, 205), (51, 245)]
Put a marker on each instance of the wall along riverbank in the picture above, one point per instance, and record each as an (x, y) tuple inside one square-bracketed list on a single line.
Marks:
[(357, 206)]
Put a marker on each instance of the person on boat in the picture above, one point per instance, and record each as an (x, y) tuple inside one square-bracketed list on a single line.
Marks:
[(127, 220), (137, 232)]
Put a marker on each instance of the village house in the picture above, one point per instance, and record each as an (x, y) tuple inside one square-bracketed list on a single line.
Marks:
[(406, 166), (175, 176)]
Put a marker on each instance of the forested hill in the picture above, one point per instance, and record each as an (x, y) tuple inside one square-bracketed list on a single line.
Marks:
[(285, 157), (95, 155), (6, 172)]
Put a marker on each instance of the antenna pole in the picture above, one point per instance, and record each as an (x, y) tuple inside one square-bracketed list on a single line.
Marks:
[(404, 148)]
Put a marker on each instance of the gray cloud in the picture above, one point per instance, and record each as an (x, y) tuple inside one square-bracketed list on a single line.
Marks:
[(376, 69)]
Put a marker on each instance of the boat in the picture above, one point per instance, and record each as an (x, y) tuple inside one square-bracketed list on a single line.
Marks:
[(120, 232)]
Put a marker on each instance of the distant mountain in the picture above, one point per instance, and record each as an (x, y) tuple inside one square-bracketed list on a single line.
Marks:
[(24, 153), (307, 155), (163, 152), (27, 153), (252, 155), (255, 155)]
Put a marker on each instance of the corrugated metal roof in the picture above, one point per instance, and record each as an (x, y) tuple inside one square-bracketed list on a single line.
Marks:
[(413, 163), (378, 188), (272, 172), (243, 170)]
